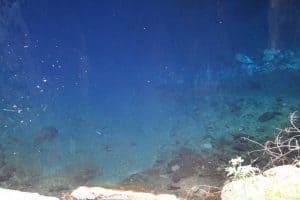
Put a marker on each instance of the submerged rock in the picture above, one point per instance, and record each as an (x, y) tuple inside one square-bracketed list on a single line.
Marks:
[(82, 193), (18, 195), (277, 183)]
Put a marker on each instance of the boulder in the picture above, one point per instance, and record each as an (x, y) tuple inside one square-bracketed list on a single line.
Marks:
[(7, 194), (83, 193), (280, 182)]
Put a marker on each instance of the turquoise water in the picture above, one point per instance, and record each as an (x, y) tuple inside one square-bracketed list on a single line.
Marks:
[(144, 94)]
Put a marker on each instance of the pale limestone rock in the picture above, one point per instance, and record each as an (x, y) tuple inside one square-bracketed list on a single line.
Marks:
[(278, 183), (283, 172), (83, 193), (7, 194)]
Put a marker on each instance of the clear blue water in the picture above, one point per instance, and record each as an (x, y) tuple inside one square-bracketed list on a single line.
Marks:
[(93, 92)]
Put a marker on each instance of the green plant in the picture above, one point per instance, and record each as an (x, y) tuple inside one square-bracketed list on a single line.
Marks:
[(237, 171)]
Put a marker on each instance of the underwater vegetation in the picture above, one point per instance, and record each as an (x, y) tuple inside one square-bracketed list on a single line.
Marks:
[(279, 182)]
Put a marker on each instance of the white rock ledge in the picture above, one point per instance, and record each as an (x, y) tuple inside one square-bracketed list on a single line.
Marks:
[(83, 193), (7, 194), (280, 182)]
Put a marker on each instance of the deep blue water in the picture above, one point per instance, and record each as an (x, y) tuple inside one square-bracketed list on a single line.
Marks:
[(115, 87)]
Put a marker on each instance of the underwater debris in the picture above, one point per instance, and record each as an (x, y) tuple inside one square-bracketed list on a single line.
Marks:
[(284, 148), (267, 116), (45, 135)]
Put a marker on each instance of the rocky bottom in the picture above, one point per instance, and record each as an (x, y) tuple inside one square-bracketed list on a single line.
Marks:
[(186, 174)]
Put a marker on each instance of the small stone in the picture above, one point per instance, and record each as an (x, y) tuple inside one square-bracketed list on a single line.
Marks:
[(174, 168), (173, 186), (207, 145)]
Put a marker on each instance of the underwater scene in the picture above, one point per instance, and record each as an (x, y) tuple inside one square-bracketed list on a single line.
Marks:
[(144, 95)]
